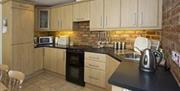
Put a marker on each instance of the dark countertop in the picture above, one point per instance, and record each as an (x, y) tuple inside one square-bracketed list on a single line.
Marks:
[(127, 75), (109, 51)]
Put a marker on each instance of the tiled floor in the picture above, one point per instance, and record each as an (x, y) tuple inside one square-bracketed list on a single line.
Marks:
[(51, 82)]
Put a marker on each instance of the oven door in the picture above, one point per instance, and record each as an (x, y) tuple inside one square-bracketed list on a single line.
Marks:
[(75, 67)]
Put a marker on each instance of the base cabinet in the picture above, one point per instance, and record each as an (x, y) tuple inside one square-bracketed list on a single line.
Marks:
[(95, 69), (23, 58), (115, 88), (54, 60), (111, 66), (38, 59)]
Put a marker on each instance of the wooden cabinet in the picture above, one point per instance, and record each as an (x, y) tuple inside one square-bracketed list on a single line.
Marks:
[(104, 14), (141, 14), (112, 14), (55, 18), (111, 66), (95, 77), (96, 14), (148, 13), (18, 40), (115, 88), (22, 31), (23, 58), (129, 13), (67, 17), (54, 60), (95, 69), (81, 11), (38, 59)]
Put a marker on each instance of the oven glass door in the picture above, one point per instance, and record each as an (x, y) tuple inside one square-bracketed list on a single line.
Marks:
[(75, 67), (76, 59)]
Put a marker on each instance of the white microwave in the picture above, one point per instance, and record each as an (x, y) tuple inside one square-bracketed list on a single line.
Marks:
[(45, 40)]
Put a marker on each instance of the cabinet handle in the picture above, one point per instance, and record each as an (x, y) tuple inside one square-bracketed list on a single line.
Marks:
[(60, 24), (106, 21), (93, 78), (142, 18), (101, 21), (135, 19), (93, 65)]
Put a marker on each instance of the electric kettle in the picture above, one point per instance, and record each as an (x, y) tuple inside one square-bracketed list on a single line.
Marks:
[(150, 60)]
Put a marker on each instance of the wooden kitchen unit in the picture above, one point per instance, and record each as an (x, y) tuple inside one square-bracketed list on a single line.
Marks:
[(84, 45)]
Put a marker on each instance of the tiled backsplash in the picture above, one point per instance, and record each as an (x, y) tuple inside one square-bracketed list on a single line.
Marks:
[(91, 37), (171, 32)]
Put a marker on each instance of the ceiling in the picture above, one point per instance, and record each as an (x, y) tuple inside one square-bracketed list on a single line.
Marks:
[(51, 2)]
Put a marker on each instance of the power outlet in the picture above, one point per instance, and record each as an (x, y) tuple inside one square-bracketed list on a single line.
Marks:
[(176, 57)]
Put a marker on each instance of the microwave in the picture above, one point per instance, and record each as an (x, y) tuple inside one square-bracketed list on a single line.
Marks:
[(45, 40)]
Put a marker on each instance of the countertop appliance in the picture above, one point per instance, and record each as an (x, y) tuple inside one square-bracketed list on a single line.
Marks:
[(45, 40), (148, 61), (75, 66), (141, 43), (62, 40)]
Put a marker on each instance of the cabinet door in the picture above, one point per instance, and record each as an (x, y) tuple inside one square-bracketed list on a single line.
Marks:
[(96, 14), (129, 13), (54, 19), (61, 61), (84, 11), (50, 59), (95, 77), (148, 13), (111, 66), (23, 58), (38, 59), (76, 12), (67, 17), (112, 14), (81, 11), (54, 60), (23, 26)]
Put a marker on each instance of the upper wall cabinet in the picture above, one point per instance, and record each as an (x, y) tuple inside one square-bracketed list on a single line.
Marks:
[(81, 11), (112, 14), (129, 13), (43, 18), (67, 17), (105, 14), (148, 13), (97, 14), (143, 14), (55, 18)]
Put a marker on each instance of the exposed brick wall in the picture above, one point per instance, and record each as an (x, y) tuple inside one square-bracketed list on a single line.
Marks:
[(171, 32), (85, 37)]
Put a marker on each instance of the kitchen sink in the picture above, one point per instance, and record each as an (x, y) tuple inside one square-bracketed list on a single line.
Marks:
[(132, 56)]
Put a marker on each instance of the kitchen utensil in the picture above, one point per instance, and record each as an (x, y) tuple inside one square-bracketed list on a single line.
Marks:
[(149, 61), (141, 43)]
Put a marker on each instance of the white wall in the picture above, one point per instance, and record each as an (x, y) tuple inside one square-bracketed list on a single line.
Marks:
[(0, 32)]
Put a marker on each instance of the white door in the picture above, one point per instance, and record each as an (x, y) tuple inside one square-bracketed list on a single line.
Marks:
[(129, 13), (0, 33), (148, 13)]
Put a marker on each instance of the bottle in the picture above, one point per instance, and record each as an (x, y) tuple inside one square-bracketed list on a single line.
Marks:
[(119, 45), (123, 46), (115, 45)]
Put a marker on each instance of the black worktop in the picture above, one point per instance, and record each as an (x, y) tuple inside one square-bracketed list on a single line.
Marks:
[(109, 51), (127, 75)]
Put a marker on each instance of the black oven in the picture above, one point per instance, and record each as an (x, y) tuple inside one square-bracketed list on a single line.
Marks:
[(75, 66)]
